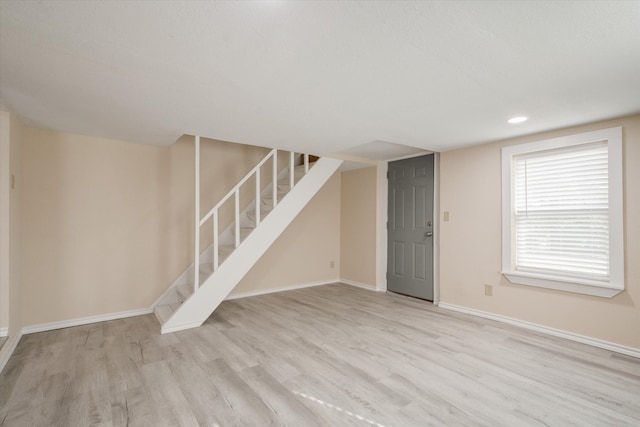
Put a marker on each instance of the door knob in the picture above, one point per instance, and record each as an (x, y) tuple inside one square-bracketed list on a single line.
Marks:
[(428, 234)]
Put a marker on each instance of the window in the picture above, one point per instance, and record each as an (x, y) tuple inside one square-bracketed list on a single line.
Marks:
[(562, 213)]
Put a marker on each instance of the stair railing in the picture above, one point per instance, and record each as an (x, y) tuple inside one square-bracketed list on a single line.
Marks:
[(235, 192)]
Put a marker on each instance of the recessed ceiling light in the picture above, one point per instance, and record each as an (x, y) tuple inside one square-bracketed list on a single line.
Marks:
[(516, 120)]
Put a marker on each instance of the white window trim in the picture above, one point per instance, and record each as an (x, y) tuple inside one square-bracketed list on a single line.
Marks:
[(615, 284)]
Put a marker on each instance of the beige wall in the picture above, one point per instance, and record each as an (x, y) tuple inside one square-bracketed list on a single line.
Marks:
[(358, 226), (95, 226), (108, 225), (470, 244)]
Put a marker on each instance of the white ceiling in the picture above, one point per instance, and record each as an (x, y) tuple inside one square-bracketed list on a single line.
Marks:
[(322, 76)]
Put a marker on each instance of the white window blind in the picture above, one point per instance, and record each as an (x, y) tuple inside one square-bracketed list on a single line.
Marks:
[(561, 209)]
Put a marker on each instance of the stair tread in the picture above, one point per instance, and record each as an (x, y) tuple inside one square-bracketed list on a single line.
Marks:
[(163, 312), (286, 181), (263, 214), (206, 267), (285, 186), (262, 210), (244, 230), (225, 249), (281, 194), (270, 195), (301, 167), (185, 290)]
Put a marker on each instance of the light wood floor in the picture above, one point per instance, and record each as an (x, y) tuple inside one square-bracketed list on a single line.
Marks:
[(326, 356)]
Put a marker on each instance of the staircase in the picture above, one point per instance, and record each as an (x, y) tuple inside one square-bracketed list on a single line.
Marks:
[(200, 289)]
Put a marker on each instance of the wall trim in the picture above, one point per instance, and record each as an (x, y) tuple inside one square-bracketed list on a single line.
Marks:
[(4, 332), (5, 227), (43, 327), (360, 285), (8, 348), (381, 225), (436, 228), (282, 289), (606, 345)]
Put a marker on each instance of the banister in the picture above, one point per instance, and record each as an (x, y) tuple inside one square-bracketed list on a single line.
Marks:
[(237, 216), (237, 186), (275, 181), (196, 273), (258, 188), (291, 170), (235, 191)]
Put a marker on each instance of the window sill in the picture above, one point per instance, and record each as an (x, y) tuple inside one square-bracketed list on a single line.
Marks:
[(562, 284)]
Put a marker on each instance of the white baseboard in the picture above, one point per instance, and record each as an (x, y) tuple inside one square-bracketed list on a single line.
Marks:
[(4, 332), (282, 289), (359, 285), (42, 327), (629, 351), (7, 350)]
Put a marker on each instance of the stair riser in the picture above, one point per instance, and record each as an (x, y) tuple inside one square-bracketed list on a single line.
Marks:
[(264, 212), (285, 184), (267, 202), (244, 233)]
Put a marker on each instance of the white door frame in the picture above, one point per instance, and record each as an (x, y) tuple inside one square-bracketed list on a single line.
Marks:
[(382, 218)]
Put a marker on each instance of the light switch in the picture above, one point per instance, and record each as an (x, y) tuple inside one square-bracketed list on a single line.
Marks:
[(446, 216)]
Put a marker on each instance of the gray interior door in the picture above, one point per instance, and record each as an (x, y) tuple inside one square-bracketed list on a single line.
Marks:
[(410, 227)]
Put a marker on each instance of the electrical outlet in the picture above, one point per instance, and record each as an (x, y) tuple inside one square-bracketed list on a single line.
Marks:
[(332, 264), (488, 290), (446, 216)]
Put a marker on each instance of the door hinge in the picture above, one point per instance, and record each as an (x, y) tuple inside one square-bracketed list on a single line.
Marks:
[(387, 174)]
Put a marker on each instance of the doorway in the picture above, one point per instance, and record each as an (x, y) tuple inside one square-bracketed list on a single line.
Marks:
[(410, 227)]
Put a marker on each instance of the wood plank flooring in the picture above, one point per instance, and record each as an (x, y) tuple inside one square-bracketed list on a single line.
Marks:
[(326, 356)]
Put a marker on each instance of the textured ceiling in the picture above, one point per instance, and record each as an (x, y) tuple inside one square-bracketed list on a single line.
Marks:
[(321, 76)]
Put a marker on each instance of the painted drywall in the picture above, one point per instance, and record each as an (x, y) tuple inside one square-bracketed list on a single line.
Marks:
[(304, 252), (470, 245), (358, 226), (108, 225), (95, 226)]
